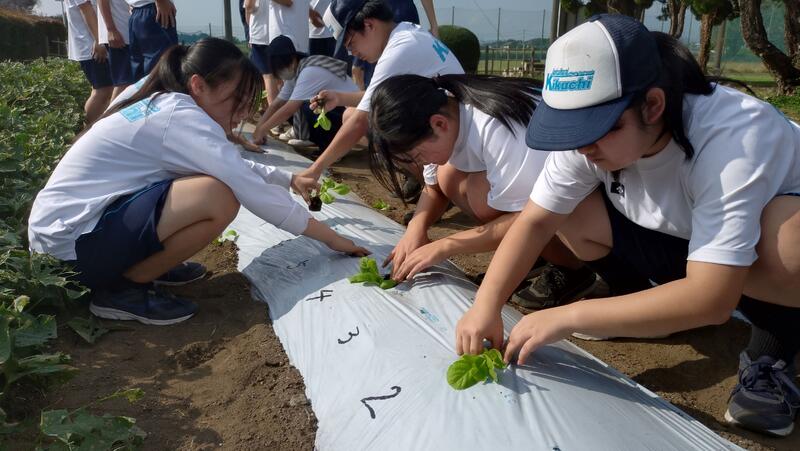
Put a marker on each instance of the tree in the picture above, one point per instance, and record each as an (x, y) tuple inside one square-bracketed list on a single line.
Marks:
[(676, 12), (791, 30), (779, 64), (21, 5), (711, 13)]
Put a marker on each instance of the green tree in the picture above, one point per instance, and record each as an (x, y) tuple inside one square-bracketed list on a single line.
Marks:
[(710, 13), (778, 63)]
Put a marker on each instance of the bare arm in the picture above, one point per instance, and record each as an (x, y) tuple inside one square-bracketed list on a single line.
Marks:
[(430, 12), (249, 9), (346, 137), (260, 134), (90, 17), (285, 110)]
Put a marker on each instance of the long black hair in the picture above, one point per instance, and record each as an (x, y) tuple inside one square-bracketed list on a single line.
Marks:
[(680, 75), (215, 60), (401, 107)]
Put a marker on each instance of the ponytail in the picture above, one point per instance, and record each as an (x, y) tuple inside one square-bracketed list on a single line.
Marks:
[(401, 107)]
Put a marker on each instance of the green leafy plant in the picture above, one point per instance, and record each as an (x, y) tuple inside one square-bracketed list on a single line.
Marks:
[(368, 273), (230, 235), (381, 205), (471, 369), (322, 120), (326, 187), (80, 430)]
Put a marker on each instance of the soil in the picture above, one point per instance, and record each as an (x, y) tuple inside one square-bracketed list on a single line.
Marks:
[(222, 379)]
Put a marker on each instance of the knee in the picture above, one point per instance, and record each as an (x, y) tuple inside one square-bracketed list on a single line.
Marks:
[(224, 206)]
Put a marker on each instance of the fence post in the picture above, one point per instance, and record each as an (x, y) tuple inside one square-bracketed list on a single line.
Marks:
[(486, 60), (227, 20), (453, 16)]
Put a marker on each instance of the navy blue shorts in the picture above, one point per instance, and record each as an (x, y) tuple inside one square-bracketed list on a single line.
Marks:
[(125, 235), (119, 60), (654, 255), (98, 74), (148, 40), (259, 55)]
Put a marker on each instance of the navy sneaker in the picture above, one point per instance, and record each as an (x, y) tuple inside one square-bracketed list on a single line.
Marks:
[(182, 274), (766, 398), (143, 304)]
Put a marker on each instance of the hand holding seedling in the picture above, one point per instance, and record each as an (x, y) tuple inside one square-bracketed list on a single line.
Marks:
[(536, 330), (368, 273), (420, 259), (304, 185), (325, 99), (479, 322), (471, 369), (410, 242), (323, 194)]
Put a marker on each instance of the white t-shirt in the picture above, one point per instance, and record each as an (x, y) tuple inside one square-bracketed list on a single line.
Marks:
[(311, 81), (411, 50), (80, 41), (485, 144), (290, 21), (120, 13), (259, 23), (144, 143), (322, 32), (139, 3), (746, 153)]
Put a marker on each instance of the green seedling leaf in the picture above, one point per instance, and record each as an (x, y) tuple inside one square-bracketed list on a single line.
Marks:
[(89, 329), (35, 331), (326, 198), (471, 369), (381, 205), (341, 189), (323, 121), (368, 273)]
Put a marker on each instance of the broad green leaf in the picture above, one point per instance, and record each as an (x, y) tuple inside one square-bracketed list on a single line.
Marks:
[(460, 375), (380, 205), (387, 284), (35, 331), (494, 358), (326, 198), (341, 189), (468, 370), (89, 329)]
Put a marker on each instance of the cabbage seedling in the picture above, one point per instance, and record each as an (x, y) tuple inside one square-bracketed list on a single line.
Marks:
[(324, 195), (368, 273), (471, 369), (322, 120), (381, 205)]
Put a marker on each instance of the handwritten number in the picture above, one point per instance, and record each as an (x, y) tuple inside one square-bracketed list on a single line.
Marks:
[(302, 263), (341, 342), (322, 295), (379, 398)]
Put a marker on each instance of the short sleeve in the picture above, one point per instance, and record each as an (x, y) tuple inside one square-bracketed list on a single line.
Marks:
[(566, 180)]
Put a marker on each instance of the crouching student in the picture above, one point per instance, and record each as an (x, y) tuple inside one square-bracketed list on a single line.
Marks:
[(675, 180), (469, 133), (155, 180), (304, 76)]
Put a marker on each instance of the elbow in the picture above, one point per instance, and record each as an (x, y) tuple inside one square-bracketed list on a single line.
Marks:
[(720, 312)]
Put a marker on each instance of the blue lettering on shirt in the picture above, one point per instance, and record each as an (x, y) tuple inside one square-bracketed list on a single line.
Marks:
[(138, 110), (441, 49), (565, 80)]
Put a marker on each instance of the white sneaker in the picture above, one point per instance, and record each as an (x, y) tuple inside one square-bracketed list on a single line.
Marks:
[(286, 136), (276, 130), (300, 143)]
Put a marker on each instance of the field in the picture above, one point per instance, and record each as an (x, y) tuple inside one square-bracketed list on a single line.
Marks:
[(221, 379)]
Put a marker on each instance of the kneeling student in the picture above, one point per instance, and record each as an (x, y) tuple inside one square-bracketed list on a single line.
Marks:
[(155, 180), (304, 76)]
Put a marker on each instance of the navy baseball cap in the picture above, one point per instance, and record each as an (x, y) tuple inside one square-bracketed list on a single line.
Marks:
[(339, 15), (591, 75), (283, 45)]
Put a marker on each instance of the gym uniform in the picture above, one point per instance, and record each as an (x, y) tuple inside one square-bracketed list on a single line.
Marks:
[(119, 59), (320, 39), (259, 36), (80, 44), (290, 21), (148, 39)]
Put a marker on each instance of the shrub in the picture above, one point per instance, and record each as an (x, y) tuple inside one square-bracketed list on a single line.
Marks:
[(464, 45)]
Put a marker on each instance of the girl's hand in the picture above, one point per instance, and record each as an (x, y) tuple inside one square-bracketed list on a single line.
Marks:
[(311, 173), (410, 242), (325, 99), (420, 259), (342, 244), (304, 185), (536, 330), (478, 323)]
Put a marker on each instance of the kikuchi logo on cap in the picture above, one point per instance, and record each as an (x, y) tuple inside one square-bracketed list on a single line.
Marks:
[(566, 80)]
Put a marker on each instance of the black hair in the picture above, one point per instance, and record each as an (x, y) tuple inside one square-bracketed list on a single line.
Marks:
[(680, 75), (280, 62), (372, 9), (215, 60), (401, 107)]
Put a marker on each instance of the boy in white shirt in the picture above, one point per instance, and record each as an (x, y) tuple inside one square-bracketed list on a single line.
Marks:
[(84, 47), (112, 25), (257, 12), (320, 39)]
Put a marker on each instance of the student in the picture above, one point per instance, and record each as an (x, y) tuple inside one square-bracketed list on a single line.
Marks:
[(152, 32), (303, 77), (320, 38), (288, 18), (675, 180), (404, 11), (155, 180), (470, 132), (245, 21), (368, 30), (84, 47), (112, 24), (257, 13)]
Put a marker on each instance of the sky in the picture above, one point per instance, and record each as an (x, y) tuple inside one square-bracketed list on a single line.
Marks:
[(519, 19)]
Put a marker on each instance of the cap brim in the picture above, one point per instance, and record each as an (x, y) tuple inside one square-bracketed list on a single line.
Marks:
[(552, 129)]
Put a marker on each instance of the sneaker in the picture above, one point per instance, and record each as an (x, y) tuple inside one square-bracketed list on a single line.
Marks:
[(143, 304), (300, 143), (287, 135), (766, 398), (554, 286), (182, 274)]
